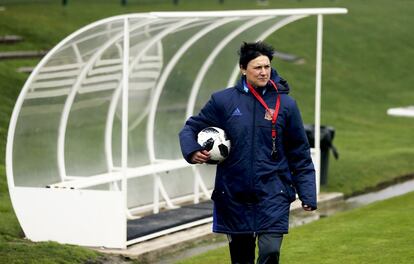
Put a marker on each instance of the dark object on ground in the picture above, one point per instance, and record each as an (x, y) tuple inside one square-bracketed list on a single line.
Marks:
[(326, 144)]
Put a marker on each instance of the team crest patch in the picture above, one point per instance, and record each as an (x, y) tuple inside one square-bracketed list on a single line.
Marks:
[(269, 114)]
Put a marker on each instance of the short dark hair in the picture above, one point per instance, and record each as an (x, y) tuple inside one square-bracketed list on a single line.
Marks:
[(250, 51)]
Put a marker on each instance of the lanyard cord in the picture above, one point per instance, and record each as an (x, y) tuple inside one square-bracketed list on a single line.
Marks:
[(273, 154), (277, 106)]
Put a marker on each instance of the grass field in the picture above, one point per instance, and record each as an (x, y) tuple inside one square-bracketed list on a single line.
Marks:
[(367, 69)]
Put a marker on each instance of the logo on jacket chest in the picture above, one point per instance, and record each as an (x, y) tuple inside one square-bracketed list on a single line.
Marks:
[(236, 112)]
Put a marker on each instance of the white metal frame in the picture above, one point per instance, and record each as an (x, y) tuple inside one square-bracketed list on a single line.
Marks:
[(72, 187), (407, 111)]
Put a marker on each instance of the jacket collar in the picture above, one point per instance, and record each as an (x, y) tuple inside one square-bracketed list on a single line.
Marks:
[(281, 83)]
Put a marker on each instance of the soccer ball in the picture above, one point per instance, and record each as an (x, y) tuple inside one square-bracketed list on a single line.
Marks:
[(214, 140)]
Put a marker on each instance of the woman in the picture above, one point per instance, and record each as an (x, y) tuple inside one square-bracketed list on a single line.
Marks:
[(269, 159)]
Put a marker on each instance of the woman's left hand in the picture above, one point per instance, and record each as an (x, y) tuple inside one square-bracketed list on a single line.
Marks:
[(306, 207)]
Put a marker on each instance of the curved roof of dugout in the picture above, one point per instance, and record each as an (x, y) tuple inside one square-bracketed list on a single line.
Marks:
[(102, 110)]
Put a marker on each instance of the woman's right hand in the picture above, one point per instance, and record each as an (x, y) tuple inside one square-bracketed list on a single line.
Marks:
[(200, 157)]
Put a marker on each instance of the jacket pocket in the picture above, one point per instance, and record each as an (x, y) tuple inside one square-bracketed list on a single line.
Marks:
[(291, 192), (289, 188), (215, 196), (221, 204), (219, 197)]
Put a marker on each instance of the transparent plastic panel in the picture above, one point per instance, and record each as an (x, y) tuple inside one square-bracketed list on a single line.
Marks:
[(172, 105), (147, 60), (40, 116), (140, 191), (149, 56), (178, 183), (91, 41), (85, 149), (208, 174), (85, 135), (35, 141)]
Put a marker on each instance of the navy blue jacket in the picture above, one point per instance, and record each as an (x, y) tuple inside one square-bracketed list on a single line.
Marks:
[(253, 192)]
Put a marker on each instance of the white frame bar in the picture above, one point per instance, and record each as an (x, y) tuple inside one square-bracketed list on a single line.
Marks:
[(407, 111), (124, 129), (318, 81), (255, 12)]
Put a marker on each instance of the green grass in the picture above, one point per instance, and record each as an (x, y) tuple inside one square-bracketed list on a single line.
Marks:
[(378, 233), (9, 227), (22, 251), (367, 63)]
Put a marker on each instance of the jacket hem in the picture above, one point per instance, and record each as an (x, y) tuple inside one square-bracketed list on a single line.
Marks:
[(219, 231)]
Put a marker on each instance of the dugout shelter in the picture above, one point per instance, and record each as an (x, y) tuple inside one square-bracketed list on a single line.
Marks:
[(92, 141)]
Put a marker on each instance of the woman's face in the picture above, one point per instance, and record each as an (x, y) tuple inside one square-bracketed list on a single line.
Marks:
[(258, 71)]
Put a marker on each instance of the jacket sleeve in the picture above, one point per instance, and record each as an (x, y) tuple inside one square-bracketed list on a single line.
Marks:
[(188, 135), (298, 154)]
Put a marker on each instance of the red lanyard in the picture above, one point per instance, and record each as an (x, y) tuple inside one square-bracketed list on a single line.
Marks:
[(274, 116), (260, 99)]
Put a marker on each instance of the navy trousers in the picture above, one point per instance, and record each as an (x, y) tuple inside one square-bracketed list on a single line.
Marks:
[(243, 246)]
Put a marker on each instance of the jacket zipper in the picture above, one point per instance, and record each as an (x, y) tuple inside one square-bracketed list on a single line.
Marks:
[(252, 176)]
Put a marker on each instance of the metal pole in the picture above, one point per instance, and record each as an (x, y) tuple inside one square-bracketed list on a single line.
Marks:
[(125, 82), (318, 100)]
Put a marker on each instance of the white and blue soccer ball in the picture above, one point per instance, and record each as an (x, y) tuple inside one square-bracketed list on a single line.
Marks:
[(214, 140)]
